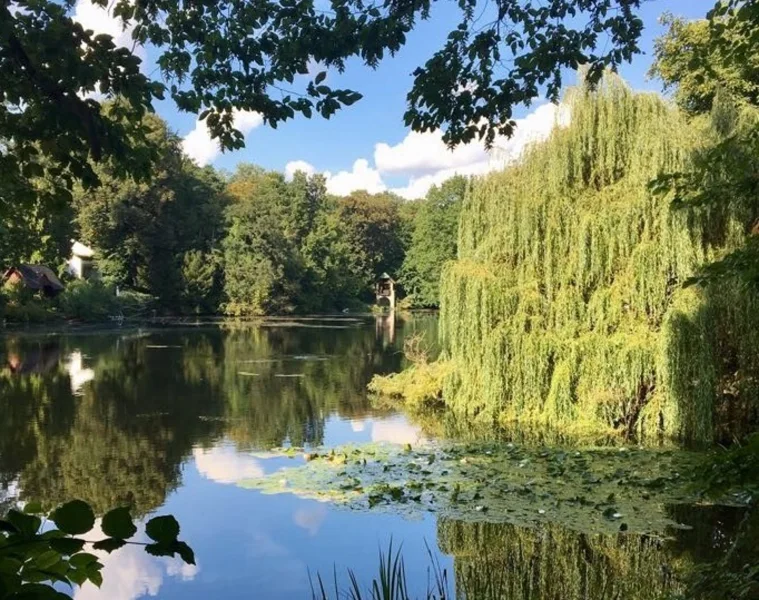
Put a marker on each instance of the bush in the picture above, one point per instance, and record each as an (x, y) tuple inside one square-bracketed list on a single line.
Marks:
[(22, 305), (88, 301), (131, 303), (420, 386)]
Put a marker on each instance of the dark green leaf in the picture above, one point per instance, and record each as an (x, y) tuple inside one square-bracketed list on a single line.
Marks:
[(163, 530), (95, 576), (82, 560), (67, 545), (77, 576), (26, 525), (109, 544), (74, 517), (8, 564), (47, 559), (117, 523), (32, 508), (320, 77), (37, 591), (8, 527), (159, 549), (185, 552)]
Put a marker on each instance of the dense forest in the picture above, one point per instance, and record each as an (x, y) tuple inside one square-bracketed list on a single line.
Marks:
[(190, 240)]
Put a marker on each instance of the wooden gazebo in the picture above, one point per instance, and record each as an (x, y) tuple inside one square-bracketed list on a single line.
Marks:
[(385, 291)]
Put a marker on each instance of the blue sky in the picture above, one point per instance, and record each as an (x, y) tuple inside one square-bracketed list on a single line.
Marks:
[(352, 135)]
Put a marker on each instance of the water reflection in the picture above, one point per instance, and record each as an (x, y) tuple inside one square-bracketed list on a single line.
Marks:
[(132, 573), (110, 418), (384, 326), (78, 373), (169, 419), (499, 561), (223, 464)]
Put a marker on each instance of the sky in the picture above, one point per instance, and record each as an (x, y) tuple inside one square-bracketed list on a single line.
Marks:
[(366, 146)]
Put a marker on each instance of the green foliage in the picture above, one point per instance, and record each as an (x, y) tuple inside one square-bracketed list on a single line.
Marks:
[(433, 241), (141, 230), (375, 232), (391, 584), (33, 558), (713, 68), (590, 491), (201, 274), (118, 440), (88, 300), (210, 64), (493, 561), (565, 308), (117, 523), (262, 264), (49, 130), (22, 305), (697, 66), (419, 385), (35, 232), (74, 518), (289, 247)]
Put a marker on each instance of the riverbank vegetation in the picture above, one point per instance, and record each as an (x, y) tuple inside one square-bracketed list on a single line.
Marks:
[(196, 241)]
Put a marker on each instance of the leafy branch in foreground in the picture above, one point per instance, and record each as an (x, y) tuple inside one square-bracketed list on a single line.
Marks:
[(34, 556), (218, 58)]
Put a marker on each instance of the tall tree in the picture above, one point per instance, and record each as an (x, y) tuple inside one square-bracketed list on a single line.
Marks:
[(376, 231), (696, 65), (433, 241), (142, 229), (262, 264), (712, 66)]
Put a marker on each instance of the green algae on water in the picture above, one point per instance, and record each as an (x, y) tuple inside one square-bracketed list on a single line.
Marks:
[(591, 491)]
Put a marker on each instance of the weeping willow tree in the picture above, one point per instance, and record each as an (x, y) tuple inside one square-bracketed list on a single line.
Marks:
[(495, 561), (566, 305)]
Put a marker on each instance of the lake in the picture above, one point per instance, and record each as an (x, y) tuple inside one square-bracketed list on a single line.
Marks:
[(180, 419)]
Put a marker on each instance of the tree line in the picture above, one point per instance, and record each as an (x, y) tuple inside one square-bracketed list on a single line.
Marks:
[(191, 240)]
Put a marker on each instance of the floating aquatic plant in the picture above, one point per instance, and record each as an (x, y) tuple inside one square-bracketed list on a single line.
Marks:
[(591, 491)]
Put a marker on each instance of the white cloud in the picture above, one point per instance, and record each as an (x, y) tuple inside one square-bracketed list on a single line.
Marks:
[(294, 166), (203, 149), (100, 20), (224, 465), (427, 161), (419, 186), (311, 518), (425, 153), (361, 177), (396, 431)]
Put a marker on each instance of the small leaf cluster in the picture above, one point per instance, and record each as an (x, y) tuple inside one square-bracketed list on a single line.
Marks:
[(37, 552)]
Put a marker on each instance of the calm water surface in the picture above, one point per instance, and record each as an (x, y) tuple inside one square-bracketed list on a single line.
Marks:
[(170, 420)]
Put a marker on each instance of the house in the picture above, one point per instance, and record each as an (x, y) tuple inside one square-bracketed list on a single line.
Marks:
[(385, 291), (37, 278), (81, 264)]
